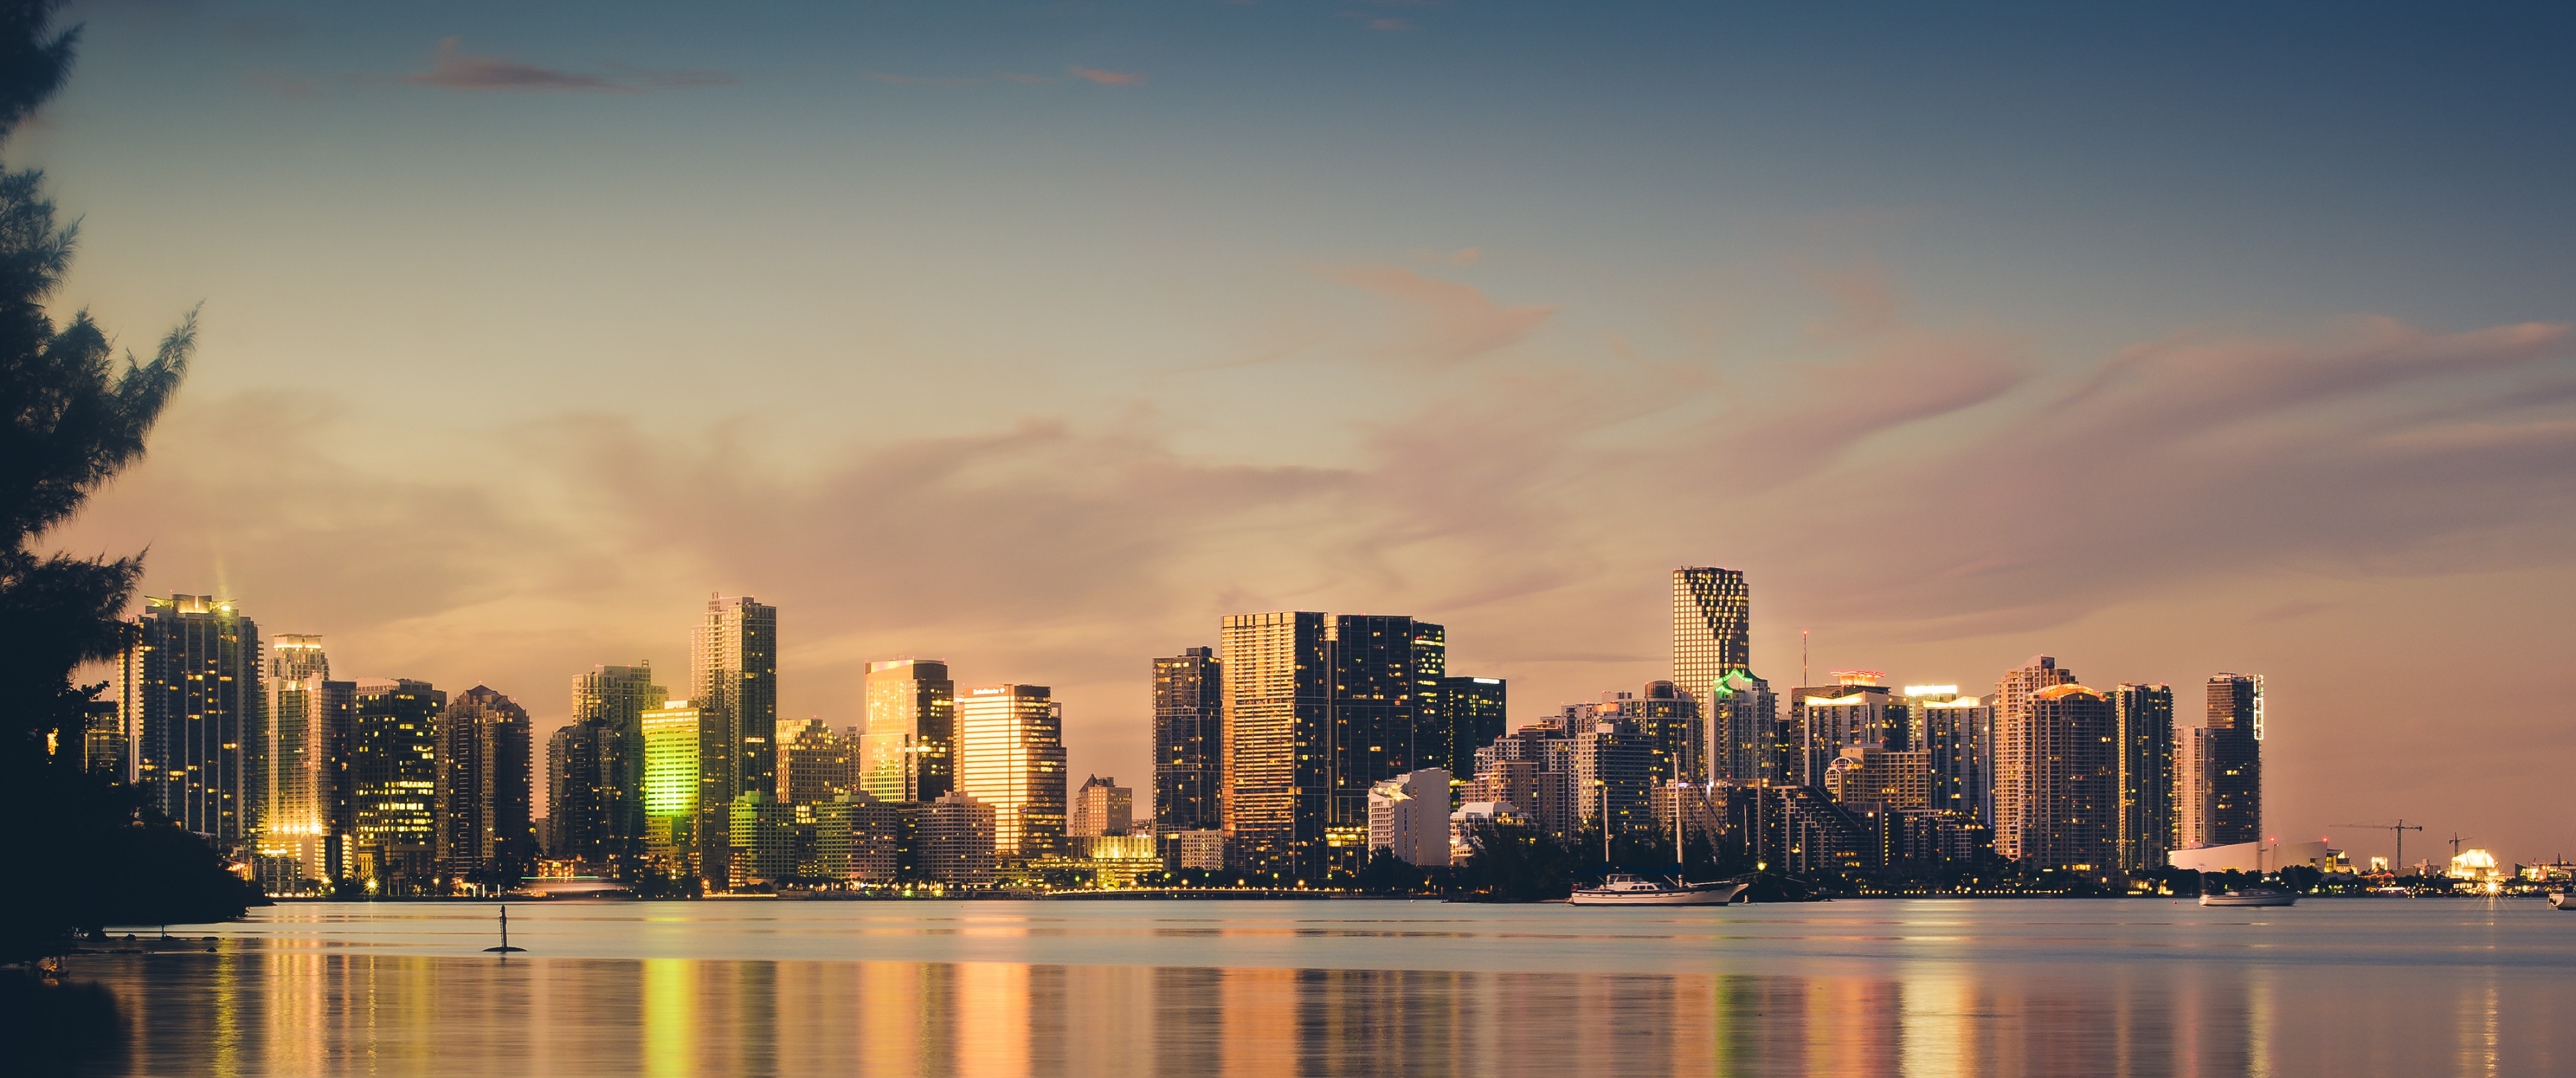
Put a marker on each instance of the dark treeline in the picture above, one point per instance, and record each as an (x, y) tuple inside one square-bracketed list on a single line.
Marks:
[(71, 417)]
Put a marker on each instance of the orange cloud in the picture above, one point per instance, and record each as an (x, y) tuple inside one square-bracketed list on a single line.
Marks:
[(1452, 322), (1106, 78)]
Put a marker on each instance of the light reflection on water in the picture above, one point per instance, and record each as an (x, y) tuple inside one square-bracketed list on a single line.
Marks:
[(1913, 989)]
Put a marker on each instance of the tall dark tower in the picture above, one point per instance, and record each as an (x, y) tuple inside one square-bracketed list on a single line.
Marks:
[(190, 689), (2144, 715), (1189, 696)]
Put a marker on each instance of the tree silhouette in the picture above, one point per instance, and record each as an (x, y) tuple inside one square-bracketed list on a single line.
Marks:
[(71, 418)]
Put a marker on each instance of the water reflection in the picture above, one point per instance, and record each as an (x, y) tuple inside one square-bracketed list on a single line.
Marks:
[(256, 1011)]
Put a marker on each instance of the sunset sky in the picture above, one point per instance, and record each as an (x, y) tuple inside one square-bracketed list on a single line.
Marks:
[(1038, 337)]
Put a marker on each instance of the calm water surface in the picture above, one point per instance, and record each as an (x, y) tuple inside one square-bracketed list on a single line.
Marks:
[(2355, 986)]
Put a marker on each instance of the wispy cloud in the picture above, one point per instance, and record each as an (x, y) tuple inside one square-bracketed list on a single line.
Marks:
[(1106, 78), (451, 67), (1451, 322)]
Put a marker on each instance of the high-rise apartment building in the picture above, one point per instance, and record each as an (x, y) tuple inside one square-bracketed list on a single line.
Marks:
[(956, 840), (1712, 628), (2219, 770), (483, 828), (1317, 708), (2056, 780), (573, 816), (392, 776), (189, 690), (1855, 711), (308, 715), (2145, 740), (1747, 741), (905, 753), (610, 701), (675, 785), (815, 762), (1101, 808), (733, 679), (1958, 734), (1010, 758), (1189, 709)]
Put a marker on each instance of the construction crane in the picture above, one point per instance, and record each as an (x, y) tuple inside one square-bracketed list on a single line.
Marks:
[(2399, 829)]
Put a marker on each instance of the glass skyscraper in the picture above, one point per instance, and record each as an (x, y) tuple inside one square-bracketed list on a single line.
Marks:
[(307, 717), (733, 679), (483, 830), (605, 823), (2144, 714), (1189, 697), (392, 776), (904, 754), (1713, 638), (1010, 757)]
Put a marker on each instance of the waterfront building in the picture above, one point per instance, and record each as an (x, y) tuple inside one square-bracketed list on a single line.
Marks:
[(307, 717), (1189, 711), (1957, 732), (1749, 743), (571, 828), (2219, 768), (815, 763), (483, 831), (1408, 816), (1317, 708), (188, 687), (2145, 742), (1472, 716), (1712, 629), (956, 841), (610, 702), (857, 838), (1203, 849), (1101, 807), (733, 679), (1010, 758), (1855, 711), (1520, 769), (766, 841), (673, 783), (2056, 781), (1112, 860), (1895, 779), (392, 776), (911, 731), (1670, 722)]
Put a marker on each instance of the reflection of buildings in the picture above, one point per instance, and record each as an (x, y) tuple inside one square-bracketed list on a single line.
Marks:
[(188, 685)]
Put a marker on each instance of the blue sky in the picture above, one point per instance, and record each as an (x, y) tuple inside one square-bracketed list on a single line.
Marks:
[(1038, 336)]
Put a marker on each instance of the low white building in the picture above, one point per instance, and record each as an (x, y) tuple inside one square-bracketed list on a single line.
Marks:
[(2255, 857), (1409, 815), (1474, 814)]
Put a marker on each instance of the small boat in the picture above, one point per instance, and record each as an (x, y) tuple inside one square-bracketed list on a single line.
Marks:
[(2250, 896), (2562, 900), (1626, 889)]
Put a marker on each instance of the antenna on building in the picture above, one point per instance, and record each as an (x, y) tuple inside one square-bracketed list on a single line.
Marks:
[(1802, 657)]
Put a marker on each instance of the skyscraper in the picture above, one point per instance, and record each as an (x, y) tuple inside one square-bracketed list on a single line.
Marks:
[(1277, 701), (1317, 708), (2056, 778), (2144, 715), (1010, 758), (1712, 629), (611, 701), (189, 688), (1856, 711), (674, 785), (733, 678), (573, 816), (911, 732), (483, 830), (1748, 743), (1189, 711), (393, 785), (2219, 779), (1959, 733), (1472, 714), (307, 714), (815, 763)]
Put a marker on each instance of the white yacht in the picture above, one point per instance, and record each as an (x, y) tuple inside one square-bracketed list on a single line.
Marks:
[(2257, 895), (1627, 889)]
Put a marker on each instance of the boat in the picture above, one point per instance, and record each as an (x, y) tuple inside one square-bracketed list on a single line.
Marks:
[(2250, 896), (1629, 889), (2562, 900)]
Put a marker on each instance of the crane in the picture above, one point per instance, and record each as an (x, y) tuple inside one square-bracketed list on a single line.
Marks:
[(2399, 829)]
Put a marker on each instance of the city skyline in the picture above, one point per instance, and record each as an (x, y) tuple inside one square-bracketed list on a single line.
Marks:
[(1242, 345)]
